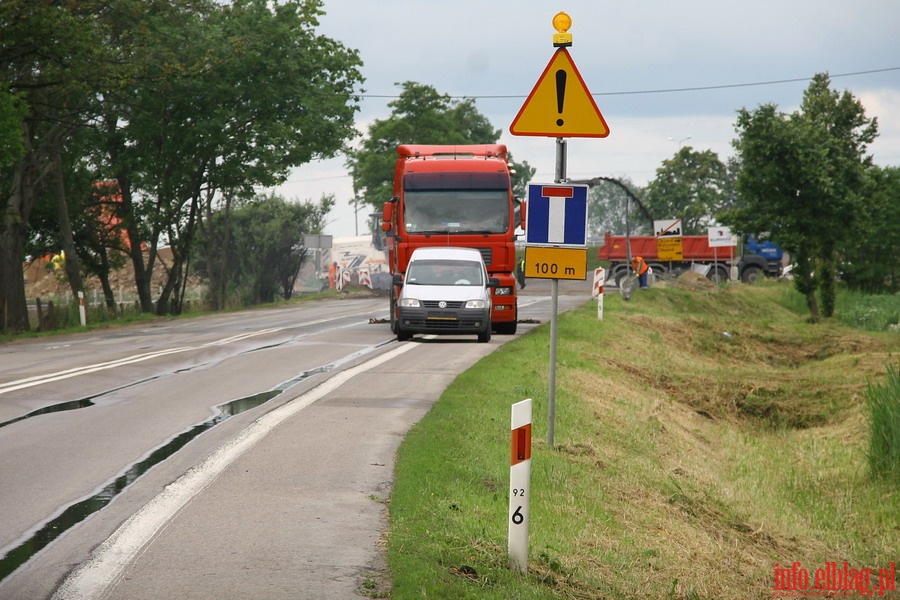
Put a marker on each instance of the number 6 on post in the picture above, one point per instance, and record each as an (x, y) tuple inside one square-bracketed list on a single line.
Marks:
[(519, 485)]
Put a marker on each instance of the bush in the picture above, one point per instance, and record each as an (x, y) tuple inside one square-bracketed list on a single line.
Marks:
[(883, 403)]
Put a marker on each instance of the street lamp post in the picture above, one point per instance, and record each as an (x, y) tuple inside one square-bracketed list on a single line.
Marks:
[(680, 142)]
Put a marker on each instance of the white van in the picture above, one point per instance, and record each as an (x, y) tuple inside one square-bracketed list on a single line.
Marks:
[(446, 291)]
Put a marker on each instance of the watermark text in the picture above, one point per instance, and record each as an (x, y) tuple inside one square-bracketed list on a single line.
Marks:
[(833, 580)]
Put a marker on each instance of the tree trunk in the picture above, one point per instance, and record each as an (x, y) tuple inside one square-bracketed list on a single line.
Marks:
[(72, 263), (805, 283), (826, 280), (108, 295), (141, 278), (13, 305)]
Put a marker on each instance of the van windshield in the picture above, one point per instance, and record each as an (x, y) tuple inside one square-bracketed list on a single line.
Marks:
[(445, 272)]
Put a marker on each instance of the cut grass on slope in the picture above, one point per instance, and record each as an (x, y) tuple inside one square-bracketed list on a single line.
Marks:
[(687, 462)]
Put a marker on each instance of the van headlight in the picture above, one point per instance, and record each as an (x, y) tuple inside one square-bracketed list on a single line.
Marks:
[(408, 303), (476, 304)]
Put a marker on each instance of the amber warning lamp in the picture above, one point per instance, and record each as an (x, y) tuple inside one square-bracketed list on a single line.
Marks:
[(562, 22)]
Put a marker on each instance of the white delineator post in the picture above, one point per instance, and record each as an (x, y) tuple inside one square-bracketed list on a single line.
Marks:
[(599, 277), (519, 485), (81, 312)]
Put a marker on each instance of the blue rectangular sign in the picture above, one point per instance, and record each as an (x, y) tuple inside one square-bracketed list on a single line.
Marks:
[(557, 215)]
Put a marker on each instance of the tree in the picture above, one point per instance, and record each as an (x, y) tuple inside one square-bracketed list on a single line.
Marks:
[(231, 97), (802, 178), (264, 247), (871, 260), (691, 186), (420, 115), (606, 210), (52, 60)]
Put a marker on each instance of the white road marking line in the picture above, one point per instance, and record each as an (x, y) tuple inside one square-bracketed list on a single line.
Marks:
[(108, 562)]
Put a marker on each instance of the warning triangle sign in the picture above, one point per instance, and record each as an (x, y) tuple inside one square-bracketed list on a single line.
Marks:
[(560, 104)]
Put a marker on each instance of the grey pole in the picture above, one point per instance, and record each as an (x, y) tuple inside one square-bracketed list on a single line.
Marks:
[(554, 297)]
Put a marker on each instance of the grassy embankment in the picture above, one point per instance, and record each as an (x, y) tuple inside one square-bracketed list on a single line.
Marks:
[(686, 463)]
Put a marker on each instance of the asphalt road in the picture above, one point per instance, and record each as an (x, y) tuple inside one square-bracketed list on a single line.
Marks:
[(281, 500)]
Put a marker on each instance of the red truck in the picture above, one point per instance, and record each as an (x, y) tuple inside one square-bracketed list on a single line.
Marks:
[(754, 260), (459, 196)]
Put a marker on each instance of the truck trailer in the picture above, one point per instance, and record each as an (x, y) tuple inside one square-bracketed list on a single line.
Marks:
[(755, 259), (458, 196)]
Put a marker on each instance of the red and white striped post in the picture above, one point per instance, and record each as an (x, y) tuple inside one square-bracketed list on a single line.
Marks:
[(519, 485), (599, 278)]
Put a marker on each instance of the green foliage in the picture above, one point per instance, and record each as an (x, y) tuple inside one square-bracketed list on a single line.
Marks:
[(606, 210), (677, 450), (801, 180), (871, 312), (258, 247), (179, 101), (12, 110), (691, 187), (871, 261), (883, 403), (420, 115)]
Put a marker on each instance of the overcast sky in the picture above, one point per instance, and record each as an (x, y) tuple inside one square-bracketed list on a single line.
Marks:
[(662, 73)]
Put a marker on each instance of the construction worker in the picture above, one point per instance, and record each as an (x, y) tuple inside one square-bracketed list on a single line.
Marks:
[(520, 273), (642, 269)]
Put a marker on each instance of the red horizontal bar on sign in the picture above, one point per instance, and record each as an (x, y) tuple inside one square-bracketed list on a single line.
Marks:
[(557, 192), (521, 445)]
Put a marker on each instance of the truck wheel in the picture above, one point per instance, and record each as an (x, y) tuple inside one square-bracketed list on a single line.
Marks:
[(619, 275), (485, 336), (506, 328), (751, 274), (717, 275)]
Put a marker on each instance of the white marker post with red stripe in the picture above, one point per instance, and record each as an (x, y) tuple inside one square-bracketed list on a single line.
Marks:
[(519, 485), (599, 277), (81, 309)]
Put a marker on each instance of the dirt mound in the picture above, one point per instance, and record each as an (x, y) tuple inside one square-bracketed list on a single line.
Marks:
[(694, 281)]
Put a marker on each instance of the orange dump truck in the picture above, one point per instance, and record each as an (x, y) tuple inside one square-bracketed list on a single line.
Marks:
[(753, 260)]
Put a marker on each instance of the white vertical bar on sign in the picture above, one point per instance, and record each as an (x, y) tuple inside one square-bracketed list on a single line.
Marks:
[(556, 221), (519, 485)]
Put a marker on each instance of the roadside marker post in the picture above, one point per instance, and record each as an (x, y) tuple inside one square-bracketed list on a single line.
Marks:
[(81, 310), (519, 485), (599, 276)]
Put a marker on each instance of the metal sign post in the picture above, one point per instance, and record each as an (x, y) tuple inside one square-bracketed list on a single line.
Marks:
[(560, 105)]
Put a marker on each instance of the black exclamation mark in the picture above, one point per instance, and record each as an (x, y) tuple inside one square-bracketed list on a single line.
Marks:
[(560, 94)]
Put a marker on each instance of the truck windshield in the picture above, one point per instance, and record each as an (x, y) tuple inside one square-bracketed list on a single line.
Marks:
[(443, 272), (457, 211)]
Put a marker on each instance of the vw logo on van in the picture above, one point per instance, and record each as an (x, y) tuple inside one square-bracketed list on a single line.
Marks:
[(442, 304)]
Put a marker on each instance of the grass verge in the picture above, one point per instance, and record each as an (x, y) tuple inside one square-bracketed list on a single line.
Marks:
[(702, 437)]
